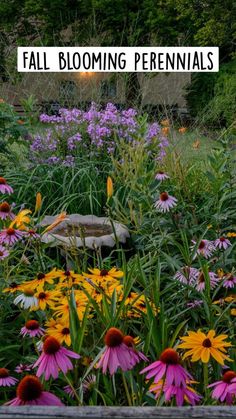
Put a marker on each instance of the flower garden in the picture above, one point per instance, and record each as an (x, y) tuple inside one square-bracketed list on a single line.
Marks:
[(145, 322)]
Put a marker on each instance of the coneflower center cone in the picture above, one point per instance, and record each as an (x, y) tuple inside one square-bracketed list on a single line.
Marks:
[(29, 388), (51, 345), (114, 337), (5, 207), (228, 376), (164, 196), (128, 341), (201, 245), (2, 181), (10, 231), (4, 373), (169, 356), (32, 324)]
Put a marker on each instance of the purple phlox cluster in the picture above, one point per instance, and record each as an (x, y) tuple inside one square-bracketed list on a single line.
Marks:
[(95, 131)]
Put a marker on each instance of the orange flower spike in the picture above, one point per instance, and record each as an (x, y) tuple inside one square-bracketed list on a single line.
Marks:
[(110, 189), (61, 217), (38, 202)]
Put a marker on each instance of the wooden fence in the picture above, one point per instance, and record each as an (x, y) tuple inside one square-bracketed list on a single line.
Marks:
[(50, 412)]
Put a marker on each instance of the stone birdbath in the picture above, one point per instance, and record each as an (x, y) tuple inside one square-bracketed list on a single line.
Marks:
[(84, 231)]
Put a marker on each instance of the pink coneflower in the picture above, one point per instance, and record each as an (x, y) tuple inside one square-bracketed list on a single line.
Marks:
[(4, 187), (89, 383), (54, 358), (32, 329), (201, 281), (187, 275), (70, 391), (181, 393), (32, 234), (161, 176), (23, 368), (9, 236), (205, 248), (222, 243), (5, 379), (169, 367), (165, 202), (225, 389), (229, 281), (139, 356), (116, 353), (30, 392), (5, 211), (195, 304), (3, 253)]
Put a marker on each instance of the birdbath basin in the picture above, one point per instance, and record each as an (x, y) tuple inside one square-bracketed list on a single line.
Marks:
[(84, 230)]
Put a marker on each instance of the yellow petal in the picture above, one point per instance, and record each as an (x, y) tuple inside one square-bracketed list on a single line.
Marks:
[(205, 355)]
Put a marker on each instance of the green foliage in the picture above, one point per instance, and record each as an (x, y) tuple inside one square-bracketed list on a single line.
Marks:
[(212, 98)]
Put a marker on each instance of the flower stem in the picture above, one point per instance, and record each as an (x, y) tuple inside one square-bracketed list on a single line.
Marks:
[(74, 391), (205, 378), (126, 389)]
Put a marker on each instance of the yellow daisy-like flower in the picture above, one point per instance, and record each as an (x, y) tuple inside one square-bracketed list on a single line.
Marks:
[(201, 346), (100, 276), (67, 279), (231, 234), (61, 332), (46, 298), (42, 278), (62, 308), (13, 287)]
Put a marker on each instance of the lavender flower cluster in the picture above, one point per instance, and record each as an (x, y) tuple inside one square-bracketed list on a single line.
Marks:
[(94, 132)]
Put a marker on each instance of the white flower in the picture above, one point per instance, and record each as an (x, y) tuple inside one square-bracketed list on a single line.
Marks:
[(26, 301)]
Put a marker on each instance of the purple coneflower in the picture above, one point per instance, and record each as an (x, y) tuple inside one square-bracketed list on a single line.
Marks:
[(54, 358), (222, 243), (181, 393), (9, 236), (3, 253), (70, 391), (165, 202), (229, 281), (201, 281), (225, 389), (30, 392), (32, 234), (161, 176), (194, 304), (23, 368), (205, 248), (5, 211), (4, 187), (32, 329), (116, 353), (89, 383), (187, 275), (139, 356), (5, 379), (168, 366)]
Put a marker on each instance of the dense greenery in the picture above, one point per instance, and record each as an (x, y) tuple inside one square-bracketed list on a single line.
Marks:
[(133, 22)]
